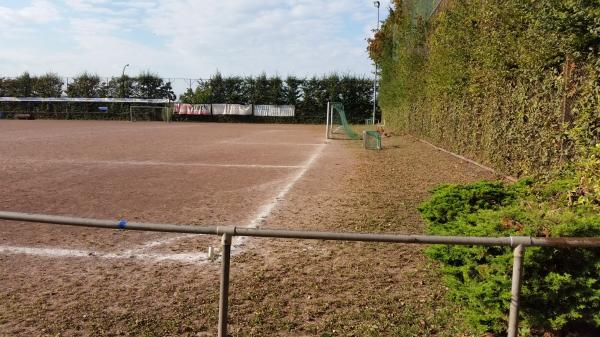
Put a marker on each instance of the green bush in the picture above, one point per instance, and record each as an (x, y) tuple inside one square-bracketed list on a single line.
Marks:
[(513, 84), (561, 287)]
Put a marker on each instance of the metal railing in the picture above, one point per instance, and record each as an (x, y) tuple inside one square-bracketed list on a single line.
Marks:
[(518, 243)]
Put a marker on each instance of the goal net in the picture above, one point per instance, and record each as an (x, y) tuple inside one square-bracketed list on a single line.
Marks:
[(372, 140), (337, 123), (149, 113)]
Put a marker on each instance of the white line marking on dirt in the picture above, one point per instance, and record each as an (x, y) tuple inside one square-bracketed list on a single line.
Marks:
[(157, 243), (264, 212), (268, 207), (513, 179), (144, 163), (199, 258), (273, 143), (32, 134), (60, 252)]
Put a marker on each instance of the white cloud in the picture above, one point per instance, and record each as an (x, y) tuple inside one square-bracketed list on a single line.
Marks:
[(39, 11), (187, 38), (19, 24), (92, 6), (302, 37)]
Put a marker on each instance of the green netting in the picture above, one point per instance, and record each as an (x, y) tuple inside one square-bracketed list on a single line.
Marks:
[(421, 9), (338, 112), (149, 113), (372, 140)]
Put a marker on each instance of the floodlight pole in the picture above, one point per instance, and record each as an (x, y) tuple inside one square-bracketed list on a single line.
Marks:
[(377, 5), (123, 79)]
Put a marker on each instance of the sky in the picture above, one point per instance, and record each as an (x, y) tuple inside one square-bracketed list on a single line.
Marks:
[(186, 38)]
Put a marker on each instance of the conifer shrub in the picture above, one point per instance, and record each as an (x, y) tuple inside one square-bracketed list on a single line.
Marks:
[(561, 287)]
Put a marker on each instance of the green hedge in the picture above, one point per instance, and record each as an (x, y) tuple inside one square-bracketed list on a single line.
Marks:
[(561, 287), (309, 95), (515, 85)]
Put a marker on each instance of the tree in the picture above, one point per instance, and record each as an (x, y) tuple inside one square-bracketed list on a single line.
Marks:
[(86, 85), (121, 86), (148, 85), (331, 87), (166, 91), (4, 86), (201, 95), (292, 91), (312, 101), (217, 89), (261, 87), (233, 90), (275, 92), (355, 93), (21, 86), (48, 85)]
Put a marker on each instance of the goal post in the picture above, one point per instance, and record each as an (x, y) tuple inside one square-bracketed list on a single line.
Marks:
[(337, 122), (150, 113)]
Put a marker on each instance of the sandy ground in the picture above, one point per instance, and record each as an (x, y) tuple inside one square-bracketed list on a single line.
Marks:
[(202, 174)]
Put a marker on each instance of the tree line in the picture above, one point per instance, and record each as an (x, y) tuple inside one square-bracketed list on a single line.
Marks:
[(309, 95), (145, 85)]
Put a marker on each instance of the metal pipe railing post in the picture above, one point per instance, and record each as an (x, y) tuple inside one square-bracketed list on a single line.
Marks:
[(330, 112), (513, 318), (327, 123), (224, 292)]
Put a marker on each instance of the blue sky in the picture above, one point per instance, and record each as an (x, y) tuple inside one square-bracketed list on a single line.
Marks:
[(186, 38)]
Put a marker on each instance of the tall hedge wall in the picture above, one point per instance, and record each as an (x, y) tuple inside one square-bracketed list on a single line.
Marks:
[(514, 84), (309, 95)]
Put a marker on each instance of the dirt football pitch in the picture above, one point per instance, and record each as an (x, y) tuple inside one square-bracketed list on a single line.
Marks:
[(71, 281)]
